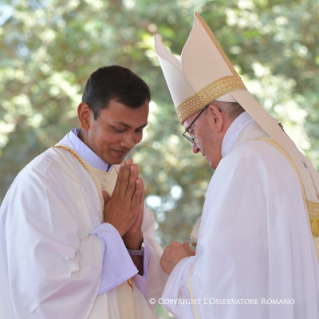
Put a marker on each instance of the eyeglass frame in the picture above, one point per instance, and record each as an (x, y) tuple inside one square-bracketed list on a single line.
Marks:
[(192, 140)]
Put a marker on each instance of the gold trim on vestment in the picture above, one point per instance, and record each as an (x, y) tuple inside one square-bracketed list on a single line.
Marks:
[(72, 153), (191, 292), (311, 207), (129, 281)]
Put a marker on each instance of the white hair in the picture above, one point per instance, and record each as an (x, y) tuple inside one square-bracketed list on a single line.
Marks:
[(231, 109)]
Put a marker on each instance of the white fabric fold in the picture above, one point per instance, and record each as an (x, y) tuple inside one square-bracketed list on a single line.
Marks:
[(50, 265), (234, 130), (117, 264), (254, 241), (141, 281)]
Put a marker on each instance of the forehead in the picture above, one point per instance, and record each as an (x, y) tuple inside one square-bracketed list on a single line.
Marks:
[(190, 119), (118, 112)]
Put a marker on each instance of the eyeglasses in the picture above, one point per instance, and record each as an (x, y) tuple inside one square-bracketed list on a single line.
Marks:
[(191, 139)]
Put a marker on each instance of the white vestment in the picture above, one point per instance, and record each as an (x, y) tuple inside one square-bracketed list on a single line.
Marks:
[(255, 257), (50, 265)]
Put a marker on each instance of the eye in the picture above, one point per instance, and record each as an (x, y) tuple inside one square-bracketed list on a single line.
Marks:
[(117, 130)]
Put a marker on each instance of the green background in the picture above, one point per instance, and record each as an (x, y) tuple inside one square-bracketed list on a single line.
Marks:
[(49, 49)]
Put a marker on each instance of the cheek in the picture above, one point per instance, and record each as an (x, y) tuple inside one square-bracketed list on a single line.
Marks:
[(138, 137), (204, 140), (102, 139)]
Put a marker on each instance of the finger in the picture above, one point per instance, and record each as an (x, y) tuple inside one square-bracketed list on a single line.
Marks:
[(119, 178), (124, 180), (141, 206), (142, 195), (129, 161), (186, 244), (175, 244), (131, 183), (137, 194), (106, 196), (123, 168)]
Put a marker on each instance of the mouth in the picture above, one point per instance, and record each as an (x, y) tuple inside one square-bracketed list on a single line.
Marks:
[(121, 153)]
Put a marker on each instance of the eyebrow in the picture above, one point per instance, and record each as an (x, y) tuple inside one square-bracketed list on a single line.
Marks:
[(126, 125)]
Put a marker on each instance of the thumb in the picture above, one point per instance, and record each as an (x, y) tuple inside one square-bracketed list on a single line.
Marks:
[(190, 250), (106, 196), (186, 245)]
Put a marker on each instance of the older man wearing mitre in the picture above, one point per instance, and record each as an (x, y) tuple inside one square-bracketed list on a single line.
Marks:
[(73, 222), (257, 244)]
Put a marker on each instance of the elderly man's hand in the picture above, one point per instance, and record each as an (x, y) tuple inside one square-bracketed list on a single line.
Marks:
[(173, 254)]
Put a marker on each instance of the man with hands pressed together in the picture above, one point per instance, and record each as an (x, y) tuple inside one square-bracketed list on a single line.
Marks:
[(76, 240)]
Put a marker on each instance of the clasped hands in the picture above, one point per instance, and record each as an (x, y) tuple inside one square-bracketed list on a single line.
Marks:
[(124, 209)]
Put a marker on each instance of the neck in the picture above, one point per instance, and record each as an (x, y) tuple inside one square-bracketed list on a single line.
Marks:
[(83, 137)]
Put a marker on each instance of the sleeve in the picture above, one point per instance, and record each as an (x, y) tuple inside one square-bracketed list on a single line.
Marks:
[(141, 281), (117, 264), (156, 278), (55, 265)]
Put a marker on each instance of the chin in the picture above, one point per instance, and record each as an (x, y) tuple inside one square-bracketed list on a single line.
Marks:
[(211, 164), (116, 161)]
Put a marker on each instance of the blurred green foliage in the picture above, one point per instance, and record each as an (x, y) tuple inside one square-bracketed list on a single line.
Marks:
[(50, 47)]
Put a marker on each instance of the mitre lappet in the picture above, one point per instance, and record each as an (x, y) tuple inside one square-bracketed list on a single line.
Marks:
[(204, 74)]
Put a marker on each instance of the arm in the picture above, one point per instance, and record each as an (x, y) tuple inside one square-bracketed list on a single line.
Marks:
[(54, 263), (156, 278)]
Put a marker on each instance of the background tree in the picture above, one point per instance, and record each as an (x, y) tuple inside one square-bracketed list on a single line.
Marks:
[(49, 49)]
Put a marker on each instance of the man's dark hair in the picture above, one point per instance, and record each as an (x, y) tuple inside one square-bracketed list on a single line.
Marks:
[(114, 82)]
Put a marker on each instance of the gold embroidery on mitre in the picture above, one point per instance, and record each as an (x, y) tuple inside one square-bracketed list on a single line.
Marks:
[(218, 47), (208, 94), (219, 88), (189, 107), (213, 90)]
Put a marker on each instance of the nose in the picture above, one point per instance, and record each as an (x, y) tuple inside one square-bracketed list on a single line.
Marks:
[(195, 148), (128, 141)]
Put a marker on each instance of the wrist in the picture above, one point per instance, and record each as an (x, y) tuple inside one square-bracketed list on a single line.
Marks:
[(137, 252), (133, 241), (120, 229)]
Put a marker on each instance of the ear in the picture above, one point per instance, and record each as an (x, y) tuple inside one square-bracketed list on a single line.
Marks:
[(84, 116), (216, 118)]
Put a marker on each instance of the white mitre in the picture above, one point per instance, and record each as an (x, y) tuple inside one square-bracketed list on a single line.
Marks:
[(205, 74)]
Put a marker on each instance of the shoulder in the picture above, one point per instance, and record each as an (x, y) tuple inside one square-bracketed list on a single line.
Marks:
[(258, 160), (257, 151), (51, 168)]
